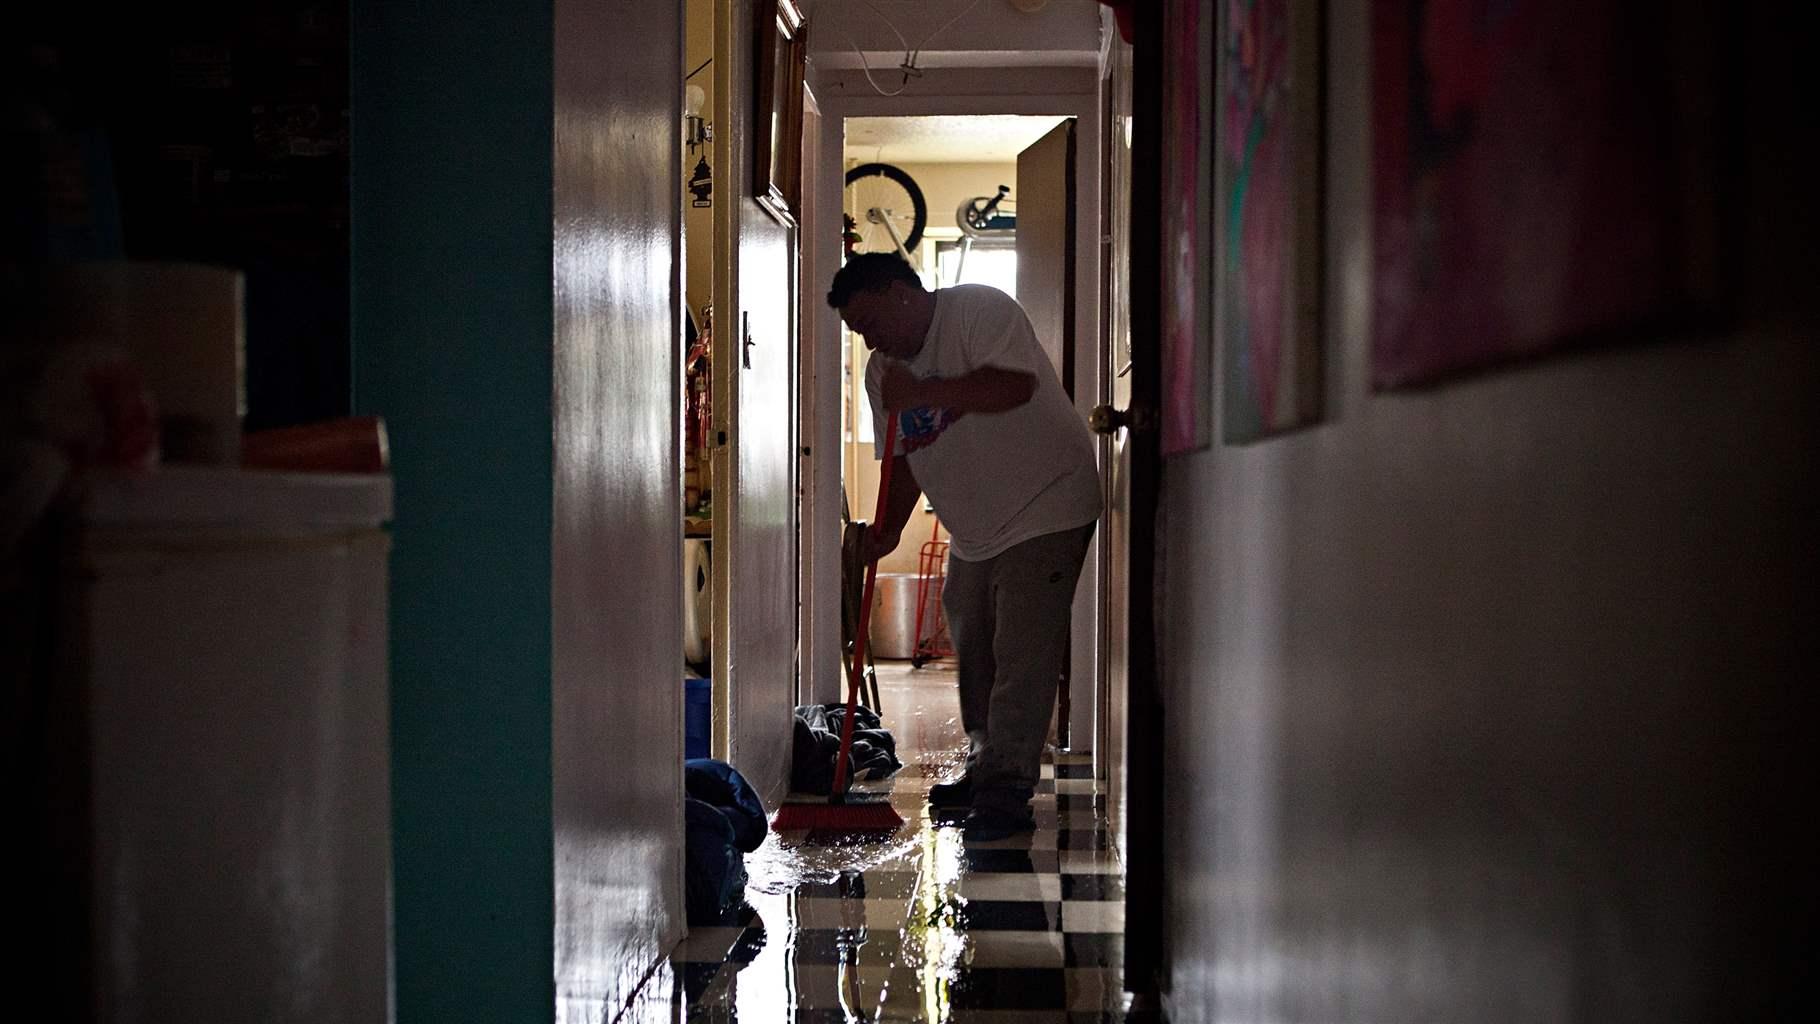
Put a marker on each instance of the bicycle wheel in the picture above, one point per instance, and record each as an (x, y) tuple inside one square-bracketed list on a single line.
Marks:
[(898, 200)]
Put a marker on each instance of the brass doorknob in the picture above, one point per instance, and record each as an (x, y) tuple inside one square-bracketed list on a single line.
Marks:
[(1104, 419)]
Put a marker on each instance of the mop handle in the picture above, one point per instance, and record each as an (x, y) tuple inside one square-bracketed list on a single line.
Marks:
[(857, 669)]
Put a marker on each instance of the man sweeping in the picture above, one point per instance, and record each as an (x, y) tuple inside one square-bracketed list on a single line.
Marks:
[(969, 407)]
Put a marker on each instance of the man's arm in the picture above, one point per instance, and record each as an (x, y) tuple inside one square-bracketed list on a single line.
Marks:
[(883, 537), (987, 389)]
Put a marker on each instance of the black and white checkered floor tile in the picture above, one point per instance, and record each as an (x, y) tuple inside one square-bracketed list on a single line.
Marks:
[(924, 926)]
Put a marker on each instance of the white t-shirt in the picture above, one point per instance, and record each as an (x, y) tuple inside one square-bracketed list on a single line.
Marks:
[(996, 479)]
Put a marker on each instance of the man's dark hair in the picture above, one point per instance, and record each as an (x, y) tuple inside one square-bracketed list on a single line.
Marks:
[(869, 272)]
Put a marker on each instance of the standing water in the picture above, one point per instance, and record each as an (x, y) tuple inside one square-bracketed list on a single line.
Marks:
[(921, 925)]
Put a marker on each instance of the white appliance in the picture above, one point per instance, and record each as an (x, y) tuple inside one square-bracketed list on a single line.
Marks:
[(698, 602), (231, 629)]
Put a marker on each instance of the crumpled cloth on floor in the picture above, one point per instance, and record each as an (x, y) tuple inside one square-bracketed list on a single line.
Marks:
[(817, 742)]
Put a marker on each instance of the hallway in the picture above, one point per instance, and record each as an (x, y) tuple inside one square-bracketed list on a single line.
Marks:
[(921, 926), (1451, 616)]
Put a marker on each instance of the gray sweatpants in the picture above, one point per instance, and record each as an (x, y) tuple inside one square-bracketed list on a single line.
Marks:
[(1008, 619)]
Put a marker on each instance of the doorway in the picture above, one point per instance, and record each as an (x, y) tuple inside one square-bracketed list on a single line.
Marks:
[(966, 199)]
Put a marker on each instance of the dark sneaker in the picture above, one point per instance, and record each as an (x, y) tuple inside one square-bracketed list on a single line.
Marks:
[(986, 824), (952, 794)]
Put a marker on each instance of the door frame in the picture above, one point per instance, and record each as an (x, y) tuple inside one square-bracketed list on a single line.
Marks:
[(724, 357), (1145, 959), (818, 431)]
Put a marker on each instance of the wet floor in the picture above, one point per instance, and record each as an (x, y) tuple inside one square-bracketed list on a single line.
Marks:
[(921, 925)]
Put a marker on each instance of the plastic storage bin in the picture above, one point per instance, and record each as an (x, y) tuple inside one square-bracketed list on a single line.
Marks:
[(698, 717)]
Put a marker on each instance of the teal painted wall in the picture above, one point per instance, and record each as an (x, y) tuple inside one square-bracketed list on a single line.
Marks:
[(452, 321)]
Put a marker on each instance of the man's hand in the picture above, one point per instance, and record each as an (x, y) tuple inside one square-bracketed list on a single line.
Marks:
[(898, 390), (877, 544), (862, 545)]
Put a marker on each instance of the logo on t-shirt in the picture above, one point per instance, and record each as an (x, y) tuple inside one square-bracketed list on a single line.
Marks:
[(923, 427)]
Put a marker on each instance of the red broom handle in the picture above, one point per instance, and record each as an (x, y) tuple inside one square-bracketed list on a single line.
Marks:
[(857, 669)]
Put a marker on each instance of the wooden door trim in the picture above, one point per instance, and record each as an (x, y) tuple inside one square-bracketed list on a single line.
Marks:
[(807, 312), (730, 63), (1144, 885)]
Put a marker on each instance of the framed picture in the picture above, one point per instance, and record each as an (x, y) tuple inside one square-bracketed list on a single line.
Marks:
[(1267, 195), (778, 120), (1187, 349), (1543, 177)]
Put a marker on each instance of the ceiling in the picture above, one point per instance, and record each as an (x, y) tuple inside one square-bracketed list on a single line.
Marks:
[(980, 138), (954, 33)]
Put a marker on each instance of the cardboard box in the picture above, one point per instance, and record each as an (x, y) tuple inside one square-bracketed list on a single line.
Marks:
[(184, 325)]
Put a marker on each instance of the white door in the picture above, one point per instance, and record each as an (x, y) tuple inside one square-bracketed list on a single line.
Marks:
[(755, 507)]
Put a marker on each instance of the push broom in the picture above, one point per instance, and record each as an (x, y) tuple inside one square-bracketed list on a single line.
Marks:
[(844, 811)]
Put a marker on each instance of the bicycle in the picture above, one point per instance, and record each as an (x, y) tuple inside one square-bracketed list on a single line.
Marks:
[(885, 210), (988, 217), (984, 217)]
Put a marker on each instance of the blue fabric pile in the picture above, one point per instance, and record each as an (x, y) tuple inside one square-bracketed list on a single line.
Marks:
[(817, 744), (723, 821)]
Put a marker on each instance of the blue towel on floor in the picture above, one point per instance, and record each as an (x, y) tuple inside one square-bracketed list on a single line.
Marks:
[(817, 743), (721, 784)]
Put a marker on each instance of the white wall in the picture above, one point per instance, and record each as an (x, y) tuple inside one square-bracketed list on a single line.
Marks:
[(615, 588), (1483, 700)]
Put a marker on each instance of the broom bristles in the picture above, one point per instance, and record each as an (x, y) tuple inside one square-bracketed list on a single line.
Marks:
[(870, 816)]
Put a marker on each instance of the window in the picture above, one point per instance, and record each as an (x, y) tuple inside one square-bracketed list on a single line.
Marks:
[(986, 262)]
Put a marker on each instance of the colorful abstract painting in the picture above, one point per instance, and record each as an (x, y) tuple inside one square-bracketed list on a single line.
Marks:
[(1187, 316), (1542, 173), (1268, 190)]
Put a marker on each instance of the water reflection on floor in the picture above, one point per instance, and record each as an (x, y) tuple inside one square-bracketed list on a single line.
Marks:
[(921, 925)]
